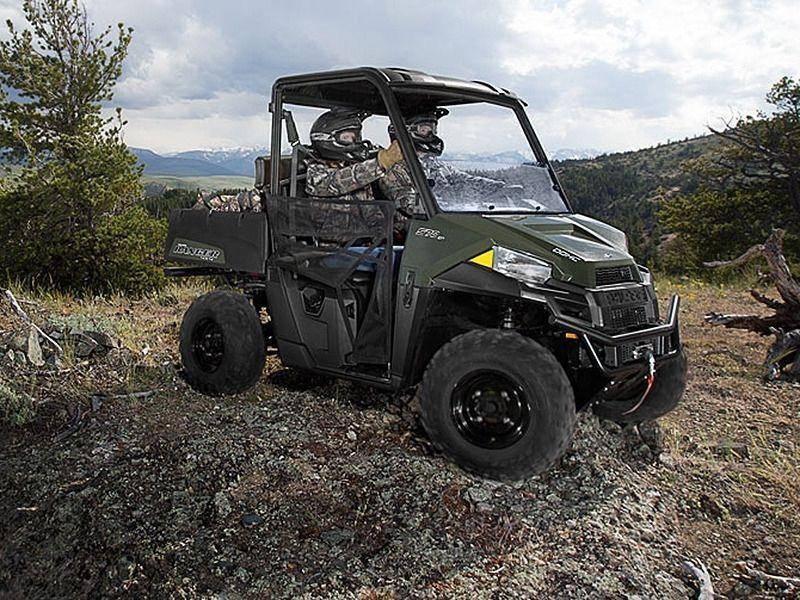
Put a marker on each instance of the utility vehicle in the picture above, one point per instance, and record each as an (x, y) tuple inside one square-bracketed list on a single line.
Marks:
[(509, 313)]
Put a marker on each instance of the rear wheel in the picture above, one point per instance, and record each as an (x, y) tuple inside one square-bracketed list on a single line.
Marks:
[(222, 344), (498, 404)]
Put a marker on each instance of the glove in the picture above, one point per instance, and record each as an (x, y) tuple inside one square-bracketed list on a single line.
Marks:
[(387, 157)]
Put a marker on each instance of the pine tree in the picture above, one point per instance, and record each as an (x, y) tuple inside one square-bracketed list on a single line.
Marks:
[(68, 213)]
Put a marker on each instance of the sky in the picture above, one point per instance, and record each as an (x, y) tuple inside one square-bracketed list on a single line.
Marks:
[(607, 75)]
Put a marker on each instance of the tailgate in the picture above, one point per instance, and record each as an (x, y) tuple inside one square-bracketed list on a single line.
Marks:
[(236, 241)]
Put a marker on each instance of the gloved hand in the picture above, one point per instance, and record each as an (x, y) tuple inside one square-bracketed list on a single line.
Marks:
[(388, 156)]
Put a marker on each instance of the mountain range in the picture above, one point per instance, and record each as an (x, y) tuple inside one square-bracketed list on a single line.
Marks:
[(239, 161)]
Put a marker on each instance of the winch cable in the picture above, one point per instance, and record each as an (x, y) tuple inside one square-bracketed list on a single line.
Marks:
[(650, 378)]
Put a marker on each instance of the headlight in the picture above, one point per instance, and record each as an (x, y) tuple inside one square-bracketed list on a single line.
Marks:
[(520, 266), (645, 274)]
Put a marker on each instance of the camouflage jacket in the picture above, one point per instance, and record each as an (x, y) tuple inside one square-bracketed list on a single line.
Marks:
[(242, 202), (397, 186), (354, 182), (331, 179)]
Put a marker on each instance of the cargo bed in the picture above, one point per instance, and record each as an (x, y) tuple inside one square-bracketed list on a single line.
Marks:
[(234, 241)]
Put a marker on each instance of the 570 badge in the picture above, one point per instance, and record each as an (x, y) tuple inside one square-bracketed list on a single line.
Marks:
[(427, 232)]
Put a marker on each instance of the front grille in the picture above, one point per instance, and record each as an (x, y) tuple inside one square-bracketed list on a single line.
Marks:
[(626, 308), (625, 317), (612, 275)]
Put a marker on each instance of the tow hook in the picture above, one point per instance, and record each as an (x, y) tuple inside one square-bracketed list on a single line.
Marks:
[(646, 352)]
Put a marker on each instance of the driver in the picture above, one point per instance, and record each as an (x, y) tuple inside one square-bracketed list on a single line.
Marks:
[(345, 165)]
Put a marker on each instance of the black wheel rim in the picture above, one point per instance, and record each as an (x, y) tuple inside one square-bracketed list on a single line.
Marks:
[(208, 347), (490, 409)]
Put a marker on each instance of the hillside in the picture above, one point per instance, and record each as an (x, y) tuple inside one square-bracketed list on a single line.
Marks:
[(306, 485), (626, 188)]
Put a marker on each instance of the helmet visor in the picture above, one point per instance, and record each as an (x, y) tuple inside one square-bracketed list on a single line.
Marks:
[(423, 129), (346, 137)]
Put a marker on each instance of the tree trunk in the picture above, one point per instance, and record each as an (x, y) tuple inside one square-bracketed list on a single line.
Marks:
[(783, 358)]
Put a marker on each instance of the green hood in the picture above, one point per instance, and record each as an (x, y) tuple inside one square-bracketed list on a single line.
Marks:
[(575, 245)]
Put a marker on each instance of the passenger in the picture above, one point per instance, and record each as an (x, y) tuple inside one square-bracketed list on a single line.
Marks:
[(450, 184)]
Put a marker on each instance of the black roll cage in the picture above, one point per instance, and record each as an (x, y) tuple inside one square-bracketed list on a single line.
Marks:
[(385, 82)]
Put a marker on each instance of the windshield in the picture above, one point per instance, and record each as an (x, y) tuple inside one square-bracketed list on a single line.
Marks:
[(487, 164)]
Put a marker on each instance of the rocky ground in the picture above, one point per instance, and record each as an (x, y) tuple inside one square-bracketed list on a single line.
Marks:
[(116, 479)]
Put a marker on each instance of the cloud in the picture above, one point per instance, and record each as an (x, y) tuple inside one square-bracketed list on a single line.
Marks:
[(611, 74)]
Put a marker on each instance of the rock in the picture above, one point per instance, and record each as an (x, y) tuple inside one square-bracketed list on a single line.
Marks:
[(666, 459), (652, 435), (351, 435), (337, 536), (251, 520), (20, 358), (33, 350), (223, 506), (611, 427), (84, 345), (103, 339), (17, 342), (478, 494)]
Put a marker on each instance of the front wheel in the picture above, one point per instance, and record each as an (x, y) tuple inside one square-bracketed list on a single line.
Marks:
[(222, 344), (498, 404)]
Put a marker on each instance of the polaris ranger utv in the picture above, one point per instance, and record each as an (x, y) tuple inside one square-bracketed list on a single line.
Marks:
[(506, 309)]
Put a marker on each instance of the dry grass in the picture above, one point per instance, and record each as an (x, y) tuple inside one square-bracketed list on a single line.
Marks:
[(734, 440)]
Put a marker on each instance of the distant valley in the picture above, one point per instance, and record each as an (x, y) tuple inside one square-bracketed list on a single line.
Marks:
[(232, 162)]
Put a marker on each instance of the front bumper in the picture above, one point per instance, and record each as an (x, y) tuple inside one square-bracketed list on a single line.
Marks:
[(629, 400), (618, 349)]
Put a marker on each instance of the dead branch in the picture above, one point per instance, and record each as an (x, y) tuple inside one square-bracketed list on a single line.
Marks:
[(754, 323), (705, 589), (737, 262), (762, 580), (785, 322), (758, 297), (24, 316)]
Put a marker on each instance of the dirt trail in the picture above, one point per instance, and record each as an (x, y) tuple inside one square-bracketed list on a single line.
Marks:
[(323, 488)]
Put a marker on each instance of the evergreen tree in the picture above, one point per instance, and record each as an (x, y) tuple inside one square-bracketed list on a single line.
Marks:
[(68, 213)]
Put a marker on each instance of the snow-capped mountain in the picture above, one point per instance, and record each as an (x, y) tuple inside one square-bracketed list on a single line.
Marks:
[(239, 161), (471, 161), (574, 154), (156, 164), (236, 160)]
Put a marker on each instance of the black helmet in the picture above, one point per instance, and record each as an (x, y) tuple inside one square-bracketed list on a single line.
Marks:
[(422, 128), (336, 135)]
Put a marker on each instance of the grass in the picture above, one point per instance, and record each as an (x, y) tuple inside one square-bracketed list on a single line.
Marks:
[(208, 182), (16, 407)]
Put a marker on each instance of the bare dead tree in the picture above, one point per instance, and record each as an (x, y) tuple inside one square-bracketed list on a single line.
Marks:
[(784, 354)]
